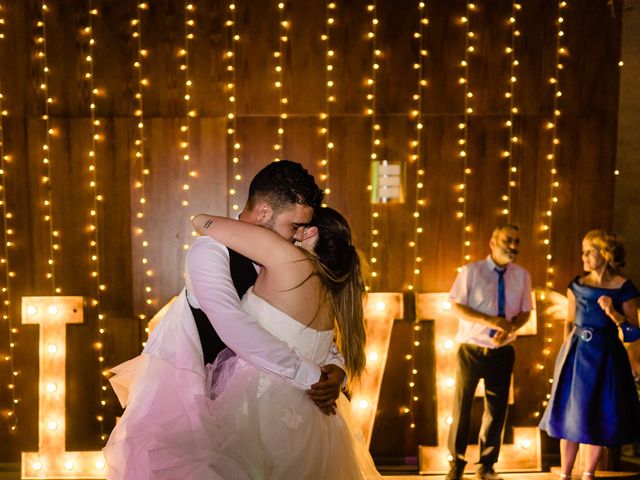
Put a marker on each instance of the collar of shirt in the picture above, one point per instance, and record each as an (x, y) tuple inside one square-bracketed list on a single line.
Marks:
[(491, 265)]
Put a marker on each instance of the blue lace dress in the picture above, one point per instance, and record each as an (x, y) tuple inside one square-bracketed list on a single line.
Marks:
[(594, 399)]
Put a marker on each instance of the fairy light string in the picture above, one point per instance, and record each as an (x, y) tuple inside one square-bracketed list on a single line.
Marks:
[(325, 129), (93, 227), (47, 203), (279, 56), (143, 169), (552, 126), (513, 139), (7, 244), (187, 172), (375, 143), (551, 157), (463, 128), (417, 158), (233, 146)]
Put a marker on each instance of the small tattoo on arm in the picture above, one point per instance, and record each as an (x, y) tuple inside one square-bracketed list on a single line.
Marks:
[(207, 224)]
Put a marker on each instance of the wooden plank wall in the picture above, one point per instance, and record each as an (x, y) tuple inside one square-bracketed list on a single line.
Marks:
[(585, 160)]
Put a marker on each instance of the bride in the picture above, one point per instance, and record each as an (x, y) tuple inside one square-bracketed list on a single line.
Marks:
[(261, 425), (247, 423)]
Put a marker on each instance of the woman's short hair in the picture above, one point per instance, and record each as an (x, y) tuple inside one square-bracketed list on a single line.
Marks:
[(610, 247)]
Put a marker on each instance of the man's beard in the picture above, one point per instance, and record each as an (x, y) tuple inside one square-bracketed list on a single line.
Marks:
[(510, 253)]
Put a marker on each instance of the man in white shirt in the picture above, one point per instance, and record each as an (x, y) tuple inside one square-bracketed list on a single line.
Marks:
[(282, 197), (492, 298), (161, 427)]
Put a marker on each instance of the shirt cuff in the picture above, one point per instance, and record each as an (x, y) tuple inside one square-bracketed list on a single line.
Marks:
[(308, 373)]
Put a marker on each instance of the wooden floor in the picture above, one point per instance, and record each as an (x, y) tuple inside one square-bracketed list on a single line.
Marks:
[(630, 464), (524, 476), (15, 475), (506, 476), (11, 472)]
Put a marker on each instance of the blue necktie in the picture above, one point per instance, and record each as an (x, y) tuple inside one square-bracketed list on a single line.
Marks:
[(501, 299)]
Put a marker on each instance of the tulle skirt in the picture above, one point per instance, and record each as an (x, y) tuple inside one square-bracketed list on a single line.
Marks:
[(160, 402), (239, 423)]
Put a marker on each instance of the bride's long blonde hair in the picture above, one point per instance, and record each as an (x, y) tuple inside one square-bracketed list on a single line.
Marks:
[(337, 264)]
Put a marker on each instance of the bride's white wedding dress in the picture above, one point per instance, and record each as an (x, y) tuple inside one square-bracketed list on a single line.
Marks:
[(248, 423)]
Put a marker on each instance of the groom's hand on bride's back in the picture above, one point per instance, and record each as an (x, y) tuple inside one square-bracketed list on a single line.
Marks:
[(326, 391)]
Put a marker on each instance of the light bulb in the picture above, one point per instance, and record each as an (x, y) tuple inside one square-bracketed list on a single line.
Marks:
[(525, 443)]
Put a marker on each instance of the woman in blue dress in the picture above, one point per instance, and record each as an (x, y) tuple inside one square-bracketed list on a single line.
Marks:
[(594, 400)]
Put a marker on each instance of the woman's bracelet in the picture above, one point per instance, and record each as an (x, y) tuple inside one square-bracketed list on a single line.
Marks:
[(621, 320)]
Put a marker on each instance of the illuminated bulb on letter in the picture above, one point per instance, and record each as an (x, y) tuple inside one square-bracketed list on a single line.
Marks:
[(37, 466), (100, 464), (363, 404), (525, 443), (68, 465), (449, 382), (31, 311), (449, 420), (51, 387), (380, 306), (52, 349), (373, 356), (52, 425), (446, 305), (53, 310), (448, 344)]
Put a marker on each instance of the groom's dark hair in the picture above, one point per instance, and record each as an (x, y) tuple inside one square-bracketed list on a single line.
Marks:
[(282, 184)]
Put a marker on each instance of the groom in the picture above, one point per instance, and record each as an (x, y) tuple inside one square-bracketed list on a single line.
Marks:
[(282, 197)]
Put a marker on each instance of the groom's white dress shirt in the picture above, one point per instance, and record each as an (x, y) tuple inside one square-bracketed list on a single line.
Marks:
[(211, 289)]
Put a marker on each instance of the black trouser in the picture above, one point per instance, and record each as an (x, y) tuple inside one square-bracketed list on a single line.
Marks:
[(495, 366)]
